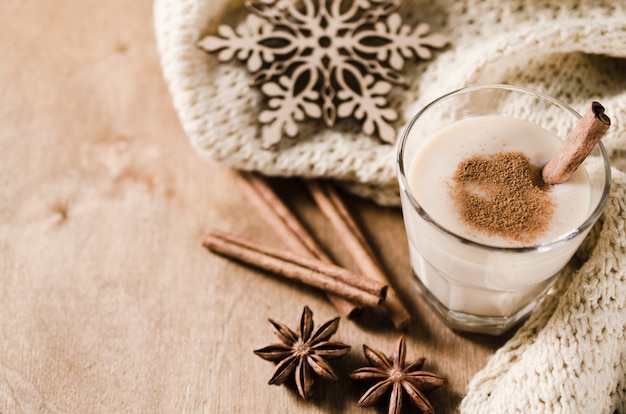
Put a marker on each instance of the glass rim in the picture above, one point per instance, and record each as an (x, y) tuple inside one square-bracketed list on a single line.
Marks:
[(589, 221)]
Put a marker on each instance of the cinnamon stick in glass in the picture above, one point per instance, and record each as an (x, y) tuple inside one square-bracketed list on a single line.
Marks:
[(288, 228), (330, 278), (579, 143), (334, 209)]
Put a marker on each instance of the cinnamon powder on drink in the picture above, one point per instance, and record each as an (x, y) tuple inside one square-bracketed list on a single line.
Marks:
[(503, 194)]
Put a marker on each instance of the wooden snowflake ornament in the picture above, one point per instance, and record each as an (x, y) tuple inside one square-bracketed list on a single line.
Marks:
[(324, 59)]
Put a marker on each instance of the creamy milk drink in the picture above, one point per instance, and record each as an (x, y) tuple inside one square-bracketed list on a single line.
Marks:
[(470, 280), (432, 169)]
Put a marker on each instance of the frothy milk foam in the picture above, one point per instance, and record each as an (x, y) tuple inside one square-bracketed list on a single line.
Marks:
[(465, 278)]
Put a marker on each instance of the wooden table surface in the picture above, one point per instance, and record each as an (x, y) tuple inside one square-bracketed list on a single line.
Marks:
[(108, 301)]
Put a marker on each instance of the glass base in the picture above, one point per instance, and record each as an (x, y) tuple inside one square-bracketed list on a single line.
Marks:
[(460, 321)]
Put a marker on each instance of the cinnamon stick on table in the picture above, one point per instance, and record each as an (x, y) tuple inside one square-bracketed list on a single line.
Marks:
[(577, 146), (334, 209), (288, 228), (313, 272)]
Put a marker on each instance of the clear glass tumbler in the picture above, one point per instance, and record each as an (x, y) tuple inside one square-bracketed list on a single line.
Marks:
[(478, 287)]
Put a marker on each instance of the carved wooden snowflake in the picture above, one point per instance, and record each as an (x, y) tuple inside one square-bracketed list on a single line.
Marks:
[(324, 59)]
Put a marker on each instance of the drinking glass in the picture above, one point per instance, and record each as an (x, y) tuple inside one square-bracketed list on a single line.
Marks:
[(478, 287)]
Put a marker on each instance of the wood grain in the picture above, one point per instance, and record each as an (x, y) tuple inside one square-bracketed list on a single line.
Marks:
[(109, 302)]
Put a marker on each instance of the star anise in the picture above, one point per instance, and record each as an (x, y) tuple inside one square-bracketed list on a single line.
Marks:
[(304, 352), (391, 373)]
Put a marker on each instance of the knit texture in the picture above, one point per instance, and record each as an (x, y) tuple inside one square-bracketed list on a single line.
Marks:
[(570, 355), (570, 49)]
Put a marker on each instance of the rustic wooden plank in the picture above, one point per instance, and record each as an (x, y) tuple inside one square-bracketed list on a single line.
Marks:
[(109, 302)]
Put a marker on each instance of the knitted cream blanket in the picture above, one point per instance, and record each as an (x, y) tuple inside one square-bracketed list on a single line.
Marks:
[(570, 356)]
